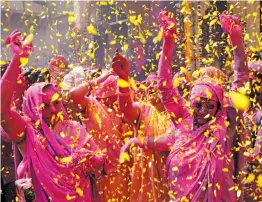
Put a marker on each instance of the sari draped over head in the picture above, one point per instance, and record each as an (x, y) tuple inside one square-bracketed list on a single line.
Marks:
[(214, 73), (198, 166), (61, 162)]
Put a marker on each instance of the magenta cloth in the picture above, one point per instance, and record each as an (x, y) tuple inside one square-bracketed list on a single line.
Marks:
[(45, 148), (198, 156)]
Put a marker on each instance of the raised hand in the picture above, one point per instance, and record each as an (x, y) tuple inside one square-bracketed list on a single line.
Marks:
[(167, 22), (24, 183), (17, 45), (120, 66), (229, 23)]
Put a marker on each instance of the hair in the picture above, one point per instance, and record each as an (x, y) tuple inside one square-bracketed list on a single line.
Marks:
[(4, 68), (49, 86), (36, 75)]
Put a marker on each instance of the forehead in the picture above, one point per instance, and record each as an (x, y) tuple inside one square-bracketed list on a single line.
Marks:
[(203, 91), (48, 93), (204, 100)]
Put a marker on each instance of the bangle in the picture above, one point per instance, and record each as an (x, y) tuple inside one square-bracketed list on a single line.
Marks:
[(123, 94)]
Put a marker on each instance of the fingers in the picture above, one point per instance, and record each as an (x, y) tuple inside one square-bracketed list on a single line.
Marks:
[(15, 36)]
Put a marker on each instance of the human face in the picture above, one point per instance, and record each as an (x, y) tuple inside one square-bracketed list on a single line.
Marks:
[(204, 109), (152, 92), (52, 106)]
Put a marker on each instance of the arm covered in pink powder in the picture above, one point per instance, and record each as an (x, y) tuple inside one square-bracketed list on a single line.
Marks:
[(231, 25), (161, 143), (130, 109), (90, 158), (79, 94), (170, 96), (9, 86)]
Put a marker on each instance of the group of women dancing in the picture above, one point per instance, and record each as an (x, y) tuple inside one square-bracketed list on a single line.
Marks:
[(111, 138)]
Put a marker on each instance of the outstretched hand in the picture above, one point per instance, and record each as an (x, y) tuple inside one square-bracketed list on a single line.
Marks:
[(120, 66), (167, 22), (133, 141), (229, 23), (19, 48)]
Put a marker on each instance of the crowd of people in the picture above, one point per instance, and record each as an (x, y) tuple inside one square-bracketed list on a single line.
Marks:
[(107, 137)]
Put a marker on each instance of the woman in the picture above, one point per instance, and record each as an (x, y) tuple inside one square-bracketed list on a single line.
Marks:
[(59, 155), (97, 102), (148, 178), (202, 160)]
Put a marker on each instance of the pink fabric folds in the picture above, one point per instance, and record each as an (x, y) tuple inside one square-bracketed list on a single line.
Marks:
[(62, 162), (199, 160)]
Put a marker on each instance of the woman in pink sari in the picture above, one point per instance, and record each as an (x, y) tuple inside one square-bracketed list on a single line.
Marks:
[(59, 155), (202, 160)]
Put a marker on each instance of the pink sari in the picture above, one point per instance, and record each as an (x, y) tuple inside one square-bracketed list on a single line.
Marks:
[(199, 167), (73, 180)]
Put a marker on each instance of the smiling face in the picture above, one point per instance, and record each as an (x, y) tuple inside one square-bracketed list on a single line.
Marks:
[(152, 93), (52, 105), (204, 102), (204, 110)]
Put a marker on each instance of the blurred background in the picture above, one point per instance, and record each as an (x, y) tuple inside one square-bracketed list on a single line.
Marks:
[(88, 32)]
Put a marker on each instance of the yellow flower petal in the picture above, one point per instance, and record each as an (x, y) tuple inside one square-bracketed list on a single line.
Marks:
[(23, 61), (28, 39), (91, 29), (124, 157), (240, 101)]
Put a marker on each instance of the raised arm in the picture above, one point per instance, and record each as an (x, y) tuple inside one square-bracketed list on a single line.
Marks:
[(231, 25), (171, 98), (128, 107), (9, 86), (79, 94)]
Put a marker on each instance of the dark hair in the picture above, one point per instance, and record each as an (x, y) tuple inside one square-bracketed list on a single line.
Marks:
[(35, 75), (4, 68)]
